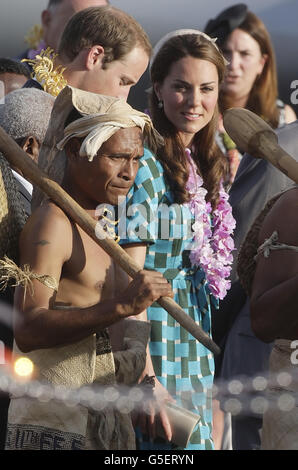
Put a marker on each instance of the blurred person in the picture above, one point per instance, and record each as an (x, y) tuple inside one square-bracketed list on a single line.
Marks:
[(181, 189), (251, 82), (273, 303), (25, 117), (102, 50), (64, 323), (261, 285), (54, 19), (56, 16), (256, 182), (13, 75), (251, 78)]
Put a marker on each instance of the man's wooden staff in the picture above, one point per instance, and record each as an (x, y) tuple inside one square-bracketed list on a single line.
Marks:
[(254, 136), (19, 159)]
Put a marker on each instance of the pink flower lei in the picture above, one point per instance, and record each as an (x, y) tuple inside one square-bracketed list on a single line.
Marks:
[(212, 242)]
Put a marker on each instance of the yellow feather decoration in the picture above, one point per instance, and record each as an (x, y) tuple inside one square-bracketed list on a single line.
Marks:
[(50, 78), (34, 36)]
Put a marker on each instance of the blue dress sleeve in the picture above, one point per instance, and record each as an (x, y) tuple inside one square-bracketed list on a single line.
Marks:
[(139, 220)]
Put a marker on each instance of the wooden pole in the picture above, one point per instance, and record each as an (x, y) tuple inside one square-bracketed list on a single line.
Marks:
[(19, 159), (254, 136)]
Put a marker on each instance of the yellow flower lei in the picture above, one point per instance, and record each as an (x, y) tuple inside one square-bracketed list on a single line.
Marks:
[(50, 79)]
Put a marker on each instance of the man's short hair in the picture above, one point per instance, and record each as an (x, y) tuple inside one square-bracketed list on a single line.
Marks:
[(26, 112), (116, 31), (53, 3), (12, 66)]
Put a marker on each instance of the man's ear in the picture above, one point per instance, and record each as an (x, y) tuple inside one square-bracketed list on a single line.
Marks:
[(46, 18), (31, 146), (95, 57)]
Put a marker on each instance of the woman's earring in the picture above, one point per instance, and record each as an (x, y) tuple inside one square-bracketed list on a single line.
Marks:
[(160, 104)]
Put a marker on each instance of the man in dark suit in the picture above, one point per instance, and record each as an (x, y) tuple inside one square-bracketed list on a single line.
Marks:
[(256, 182), (24, 116)]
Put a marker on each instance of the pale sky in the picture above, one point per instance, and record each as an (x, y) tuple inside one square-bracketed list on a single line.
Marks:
[(17, 16), (161, 16)]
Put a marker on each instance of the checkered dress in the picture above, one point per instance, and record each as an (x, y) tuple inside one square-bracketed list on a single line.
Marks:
[(183, 365)]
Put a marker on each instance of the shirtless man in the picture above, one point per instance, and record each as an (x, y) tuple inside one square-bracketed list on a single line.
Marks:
[(274, 303), (57, 327), (85, 271), (275, 294)]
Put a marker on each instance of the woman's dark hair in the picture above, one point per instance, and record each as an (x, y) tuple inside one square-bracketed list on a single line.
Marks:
[(263, 95), (210, 161)]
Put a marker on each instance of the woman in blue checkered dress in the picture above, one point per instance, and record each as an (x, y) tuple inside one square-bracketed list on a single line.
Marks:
[(174, 210)]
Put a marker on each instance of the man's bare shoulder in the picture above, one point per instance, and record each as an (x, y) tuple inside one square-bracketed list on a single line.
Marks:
[(48, 224), (283, 218), (288, 199), (48, 215)]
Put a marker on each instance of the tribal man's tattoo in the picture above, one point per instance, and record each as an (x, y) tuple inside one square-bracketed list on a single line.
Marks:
[(42, 242)]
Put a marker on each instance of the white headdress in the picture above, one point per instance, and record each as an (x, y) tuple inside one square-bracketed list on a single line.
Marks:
[(97, 128), (102, 116), (180, 32)]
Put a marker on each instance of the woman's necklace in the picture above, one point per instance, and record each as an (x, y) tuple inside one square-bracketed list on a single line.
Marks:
[(213, 244)]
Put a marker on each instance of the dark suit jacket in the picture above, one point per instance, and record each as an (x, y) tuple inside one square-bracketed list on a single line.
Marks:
[(32, 84), (6, 334), (25, 197), (256, 182)]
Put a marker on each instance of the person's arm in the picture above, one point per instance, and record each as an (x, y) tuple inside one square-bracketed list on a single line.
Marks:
[(274, 296), (46, 244)]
